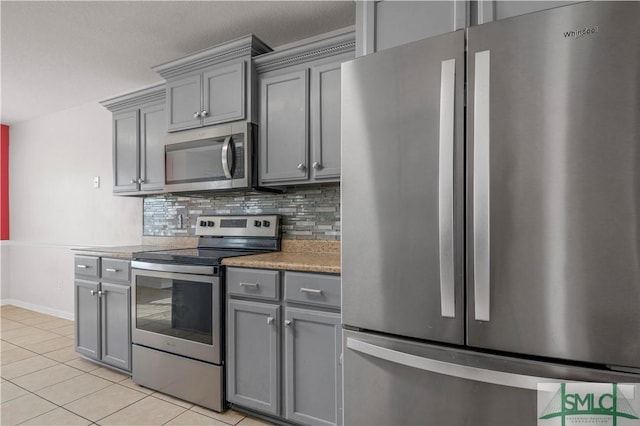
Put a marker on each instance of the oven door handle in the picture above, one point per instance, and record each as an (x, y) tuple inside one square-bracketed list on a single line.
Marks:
[(228, 166), (162, 267)]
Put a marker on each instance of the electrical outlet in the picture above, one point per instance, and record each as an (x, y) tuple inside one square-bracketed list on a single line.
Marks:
[(96, 182)]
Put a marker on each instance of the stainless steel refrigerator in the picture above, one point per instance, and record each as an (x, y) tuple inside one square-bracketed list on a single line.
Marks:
[(491, 217)]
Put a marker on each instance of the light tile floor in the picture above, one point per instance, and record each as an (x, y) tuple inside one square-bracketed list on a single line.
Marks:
[(45, 382)]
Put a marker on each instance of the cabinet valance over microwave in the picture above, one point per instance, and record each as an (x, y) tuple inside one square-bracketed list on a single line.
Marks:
[(212, 158)]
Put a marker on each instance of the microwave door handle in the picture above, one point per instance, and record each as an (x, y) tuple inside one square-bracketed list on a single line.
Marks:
[(226, 166)]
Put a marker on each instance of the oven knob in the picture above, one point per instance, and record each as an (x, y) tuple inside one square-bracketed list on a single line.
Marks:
[(257, 223), (203, 223), (266, 223), (210, 223)]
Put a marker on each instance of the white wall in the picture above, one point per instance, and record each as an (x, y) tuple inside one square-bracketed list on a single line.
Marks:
[(54, 206)]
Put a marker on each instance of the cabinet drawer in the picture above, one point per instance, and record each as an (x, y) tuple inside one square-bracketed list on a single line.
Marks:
[(253, 282), (315, 289), (115, 270), (87, 266)]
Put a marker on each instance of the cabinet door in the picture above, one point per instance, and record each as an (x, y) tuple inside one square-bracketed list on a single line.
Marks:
[(325, 121), (153, 130), (492, 10), (388, 23), (125, 151), (184, 103), (312, 367), (284, 134), (224, 98), (116, 325), (87, 314), (253, 366)]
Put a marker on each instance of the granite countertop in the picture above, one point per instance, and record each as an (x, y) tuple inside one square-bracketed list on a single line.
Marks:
[(296, 255), (148, 244)]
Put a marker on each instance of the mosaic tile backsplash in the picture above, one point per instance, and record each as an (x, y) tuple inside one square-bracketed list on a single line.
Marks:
[(308, 212)]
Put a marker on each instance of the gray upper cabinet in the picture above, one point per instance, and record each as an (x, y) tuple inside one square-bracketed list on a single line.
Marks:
[(212, 86), (184, 104), (139, 130), (300, 111), (383, 24), (325, 121), (485, 11), (284, 134)]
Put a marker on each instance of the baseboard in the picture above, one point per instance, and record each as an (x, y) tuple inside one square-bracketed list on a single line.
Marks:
[(37, 308)]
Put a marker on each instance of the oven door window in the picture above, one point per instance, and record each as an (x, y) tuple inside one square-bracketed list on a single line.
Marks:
[(175, 307)]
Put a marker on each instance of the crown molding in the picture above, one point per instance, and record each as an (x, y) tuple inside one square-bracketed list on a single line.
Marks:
[(249, 45)]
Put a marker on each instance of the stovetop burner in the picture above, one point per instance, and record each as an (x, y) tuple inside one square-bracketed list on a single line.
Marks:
[(220, 237), (191, 256)]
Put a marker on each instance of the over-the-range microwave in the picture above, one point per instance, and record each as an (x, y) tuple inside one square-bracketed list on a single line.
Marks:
[(211, 158)]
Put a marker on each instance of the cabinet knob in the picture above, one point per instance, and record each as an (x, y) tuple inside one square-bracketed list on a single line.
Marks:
[(317, 165), (301, 167), (288, 323), (93, 292), (204, 113), (196, 114), (101, 293), (134, 181), (140, 180), (270, 321)]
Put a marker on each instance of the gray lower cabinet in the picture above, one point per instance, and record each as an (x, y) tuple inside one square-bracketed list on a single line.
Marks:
[(284, 347), (103, 311), (253, 355), (139, 130), (313, 375), (300, 111)]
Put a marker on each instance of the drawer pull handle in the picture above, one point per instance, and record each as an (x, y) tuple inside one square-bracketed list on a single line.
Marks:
[(82, 266), (250, 285), (311, 291), (111, 270)]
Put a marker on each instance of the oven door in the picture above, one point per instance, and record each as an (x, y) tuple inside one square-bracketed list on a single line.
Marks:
[(177, 312)]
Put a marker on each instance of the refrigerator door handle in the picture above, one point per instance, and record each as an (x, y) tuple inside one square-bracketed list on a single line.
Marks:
[(449, 369), (445, 188), (481, 187)]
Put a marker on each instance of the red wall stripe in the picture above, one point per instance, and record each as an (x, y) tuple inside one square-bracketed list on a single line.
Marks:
[(4, 182)]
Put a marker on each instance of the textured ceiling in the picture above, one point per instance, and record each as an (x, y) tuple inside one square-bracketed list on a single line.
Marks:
[(60, 54)]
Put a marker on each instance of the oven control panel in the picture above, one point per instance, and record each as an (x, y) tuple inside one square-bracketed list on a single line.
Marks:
[(238, 226)]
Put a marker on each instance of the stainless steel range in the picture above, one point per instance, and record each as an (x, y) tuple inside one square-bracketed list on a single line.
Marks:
[(178, 304)]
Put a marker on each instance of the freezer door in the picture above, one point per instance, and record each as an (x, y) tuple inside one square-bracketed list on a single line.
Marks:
[(402, 190), (389, 381), (554, 184)]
